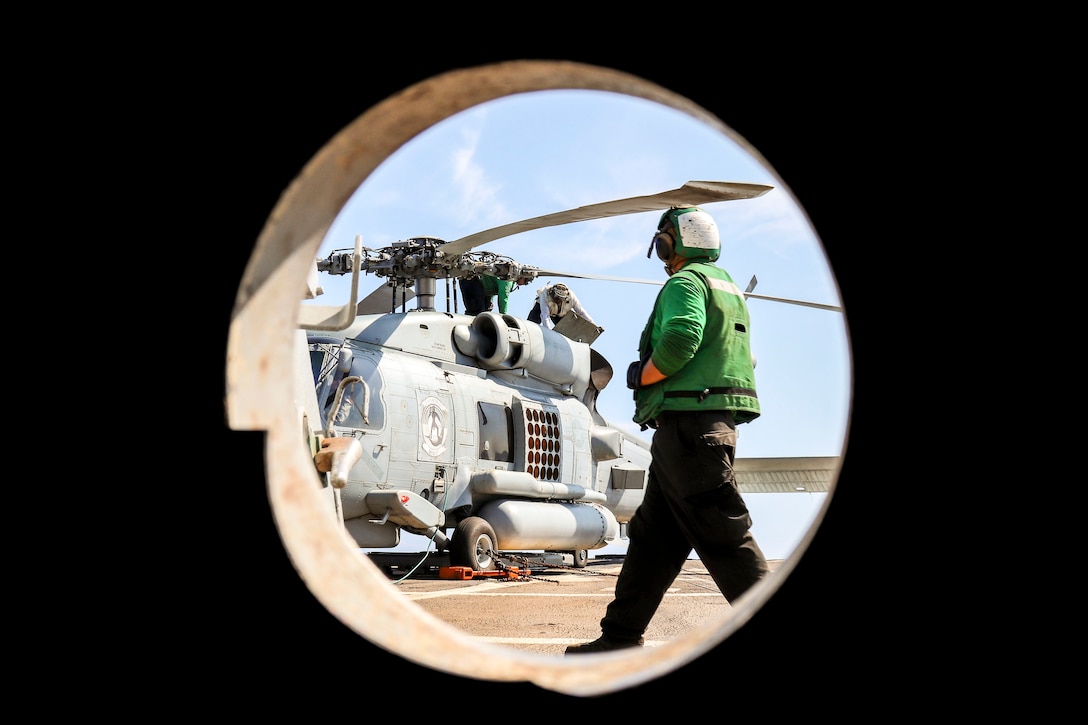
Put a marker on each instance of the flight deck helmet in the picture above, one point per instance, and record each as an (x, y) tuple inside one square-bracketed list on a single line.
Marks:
[(696, 235), (558, 299)]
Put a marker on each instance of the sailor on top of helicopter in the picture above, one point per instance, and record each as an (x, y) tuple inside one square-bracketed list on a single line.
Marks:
[(558, 299), (479, 291)]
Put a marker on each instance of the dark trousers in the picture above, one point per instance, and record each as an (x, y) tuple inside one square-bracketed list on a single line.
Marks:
[(474, 296), (534, 314), (691, 502)]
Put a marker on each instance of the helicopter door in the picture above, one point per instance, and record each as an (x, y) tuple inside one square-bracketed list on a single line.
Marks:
[(496, 432)]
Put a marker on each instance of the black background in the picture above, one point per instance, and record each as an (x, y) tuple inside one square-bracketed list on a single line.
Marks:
[(253, 630)]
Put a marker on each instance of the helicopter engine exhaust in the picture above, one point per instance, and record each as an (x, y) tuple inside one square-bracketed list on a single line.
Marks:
[(507, 343), (551, 526)]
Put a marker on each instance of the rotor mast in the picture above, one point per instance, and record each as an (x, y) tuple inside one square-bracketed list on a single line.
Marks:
[(425, 292)]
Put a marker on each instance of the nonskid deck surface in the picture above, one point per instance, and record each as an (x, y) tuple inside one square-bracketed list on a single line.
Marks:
[(552, 607)]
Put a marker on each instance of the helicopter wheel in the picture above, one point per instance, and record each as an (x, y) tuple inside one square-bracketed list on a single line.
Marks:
[(474, 545), (581, 558)]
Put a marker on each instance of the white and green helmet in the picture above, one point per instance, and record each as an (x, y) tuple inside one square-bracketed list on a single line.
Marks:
[(696, 233)]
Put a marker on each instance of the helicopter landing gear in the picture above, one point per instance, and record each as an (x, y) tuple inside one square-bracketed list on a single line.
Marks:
[(581, 558), (474, 545)]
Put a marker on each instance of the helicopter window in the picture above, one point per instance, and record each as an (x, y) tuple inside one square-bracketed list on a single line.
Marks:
[(318, 357), (496, 432), (323, 364), (361, 404), (329, 358)]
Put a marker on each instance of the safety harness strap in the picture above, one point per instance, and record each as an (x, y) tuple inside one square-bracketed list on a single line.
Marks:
[(702, 394)]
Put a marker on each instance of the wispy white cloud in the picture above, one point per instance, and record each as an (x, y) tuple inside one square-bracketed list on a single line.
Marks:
[(477, 195)]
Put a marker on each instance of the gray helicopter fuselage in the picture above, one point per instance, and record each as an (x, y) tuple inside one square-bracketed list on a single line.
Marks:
[(491, 416)]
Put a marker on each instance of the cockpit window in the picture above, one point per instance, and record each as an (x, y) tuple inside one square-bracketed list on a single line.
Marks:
[(360, 403)]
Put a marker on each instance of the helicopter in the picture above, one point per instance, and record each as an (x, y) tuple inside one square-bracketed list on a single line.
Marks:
[(478, 432)]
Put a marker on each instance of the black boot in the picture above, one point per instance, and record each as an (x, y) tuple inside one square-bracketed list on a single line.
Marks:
[(604, 643)]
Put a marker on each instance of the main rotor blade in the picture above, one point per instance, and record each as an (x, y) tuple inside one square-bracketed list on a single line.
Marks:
[(692, 193), (578, 275), (747, 292), (803, 303)]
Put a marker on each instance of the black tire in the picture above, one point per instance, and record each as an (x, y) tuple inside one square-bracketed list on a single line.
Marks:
[(581, 558), (474, 545)]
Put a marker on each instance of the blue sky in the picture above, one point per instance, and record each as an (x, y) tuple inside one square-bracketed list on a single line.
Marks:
[(533, 154)]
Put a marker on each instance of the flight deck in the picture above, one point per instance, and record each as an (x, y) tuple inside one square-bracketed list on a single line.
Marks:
[(545, 608)]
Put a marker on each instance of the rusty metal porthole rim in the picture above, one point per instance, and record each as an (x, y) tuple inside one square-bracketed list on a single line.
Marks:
[(259, 360)]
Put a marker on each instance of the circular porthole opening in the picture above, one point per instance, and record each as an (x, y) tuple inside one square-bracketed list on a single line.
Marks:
[(264, 349)]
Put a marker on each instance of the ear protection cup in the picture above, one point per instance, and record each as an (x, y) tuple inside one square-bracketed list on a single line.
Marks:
[(662, 241)]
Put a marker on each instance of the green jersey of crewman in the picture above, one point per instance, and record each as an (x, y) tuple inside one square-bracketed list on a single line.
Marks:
[(696, 344)]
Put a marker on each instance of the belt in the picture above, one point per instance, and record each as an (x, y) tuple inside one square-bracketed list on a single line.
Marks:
[(667, 416), (702, 394)]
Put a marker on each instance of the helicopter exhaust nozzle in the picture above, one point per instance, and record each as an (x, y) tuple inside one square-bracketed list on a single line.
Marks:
[(505, 342)]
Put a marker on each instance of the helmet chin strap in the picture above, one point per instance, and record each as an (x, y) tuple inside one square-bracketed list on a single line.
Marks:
[(677, 261)]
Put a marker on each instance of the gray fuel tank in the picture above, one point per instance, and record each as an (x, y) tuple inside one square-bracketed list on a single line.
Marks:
[(551, 526)]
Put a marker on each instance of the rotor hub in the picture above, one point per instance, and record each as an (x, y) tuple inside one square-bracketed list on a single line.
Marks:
[(419, 262)]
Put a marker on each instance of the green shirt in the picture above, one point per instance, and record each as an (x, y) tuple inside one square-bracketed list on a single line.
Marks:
[(493, 286), (699, 339)]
